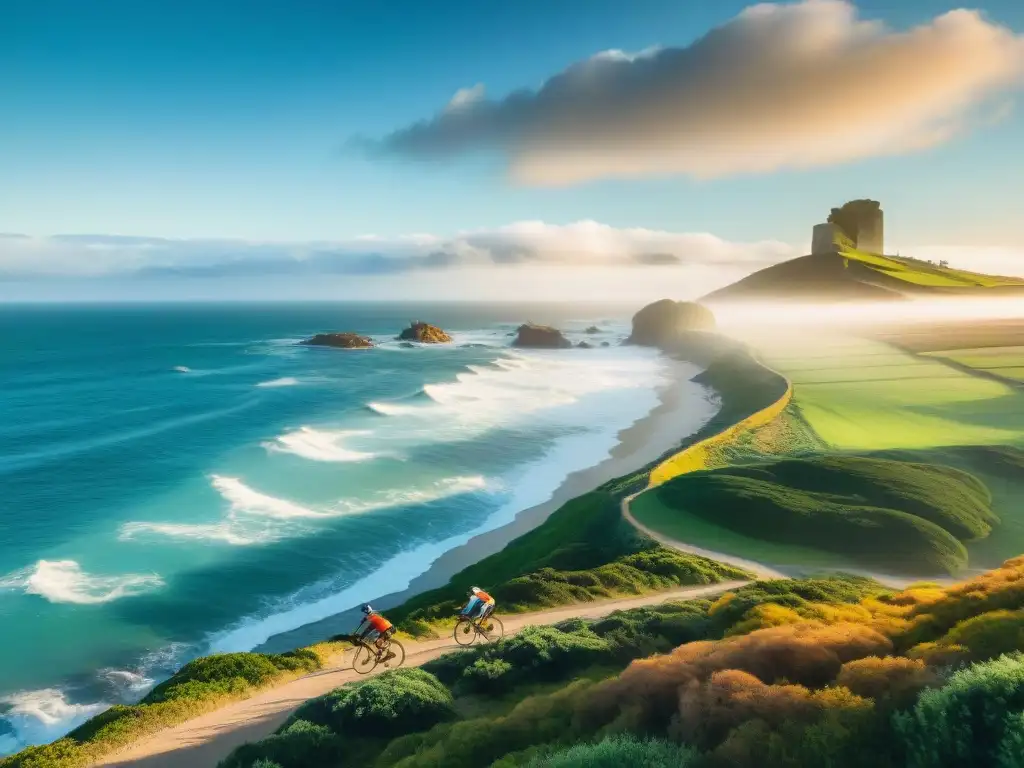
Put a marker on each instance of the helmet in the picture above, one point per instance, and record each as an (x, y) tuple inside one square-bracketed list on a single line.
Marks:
[(367, 609), (476, 590)]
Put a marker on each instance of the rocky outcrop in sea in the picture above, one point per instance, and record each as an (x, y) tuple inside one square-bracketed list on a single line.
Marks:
[(344, 340), (424, 333), (540, 337)]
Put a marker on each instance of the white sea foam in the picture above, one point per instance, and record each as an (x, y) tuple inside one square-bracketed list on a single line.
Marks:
[(519, 385), (319, 445), (442, 489), (182, 369), (64, 581), (228, 532), (254, 518), (246, 501), (40, 716), (287, 381), (129, 682)]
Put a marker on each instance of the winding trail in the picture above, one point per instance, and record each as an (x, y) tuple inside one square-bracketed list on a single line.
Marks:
[(206, 740)]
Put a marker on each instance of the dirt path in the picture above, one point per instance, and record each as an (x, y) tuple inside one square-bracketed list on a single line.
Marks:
[(205, 740)]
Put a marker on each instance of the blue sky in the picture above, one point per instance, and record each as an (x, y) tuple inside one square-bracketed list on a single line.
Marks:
[(230, 120)]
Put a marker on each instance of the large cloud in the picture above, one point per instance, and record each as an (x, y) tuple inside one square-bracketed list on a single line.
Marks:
[(779, 86), (585, 243)]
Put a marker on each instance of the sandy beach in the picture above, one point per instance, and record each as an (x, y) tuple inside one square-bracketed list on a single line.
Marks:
[(677, 415)]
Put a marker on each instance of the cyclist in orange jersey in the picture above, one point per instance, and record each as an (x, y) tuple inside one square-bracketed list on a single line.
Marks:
[(376, 625)]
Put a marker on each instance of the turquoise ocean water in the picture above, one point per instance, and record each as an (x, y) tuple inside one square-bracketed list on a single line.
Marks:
[(180, 479)]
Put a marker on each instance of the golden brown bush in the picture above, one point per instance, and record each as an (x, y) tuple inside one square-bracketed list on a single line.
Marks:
[(810, 654), (888, 677)]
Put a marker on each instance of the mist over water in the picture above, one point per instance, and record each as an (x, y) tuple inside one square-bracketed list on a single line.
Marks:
[(184, 479)]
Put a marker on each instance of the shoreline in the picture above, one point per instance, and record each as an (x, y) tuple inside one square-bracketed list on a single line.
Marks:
[(662, 429)]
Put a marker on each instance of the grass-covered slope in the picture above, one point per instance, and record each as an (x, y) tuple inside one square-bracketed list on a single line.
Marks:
[(200, 686), (924, 273), (583, 551), (783, 674), (900, 516)]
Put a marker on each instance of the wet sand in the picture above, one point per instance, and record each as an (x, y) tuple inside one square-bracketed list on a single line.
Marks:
[(682, 409)]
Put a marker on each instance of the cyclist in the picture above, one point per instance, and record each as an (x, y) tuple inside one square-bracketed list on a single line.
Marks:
[(480, 604), (376, 625)]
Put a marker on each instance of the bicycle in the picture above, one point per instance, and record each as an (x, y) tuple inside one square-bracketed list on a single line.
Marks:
[(389, 653), (489, 627)]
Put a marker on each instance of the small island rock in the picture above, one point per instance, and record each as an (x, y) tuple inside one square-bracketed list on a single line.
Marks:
[(424, 333), (341, 340), (592, 329), (540, 337), (585, 345), (665, 321)]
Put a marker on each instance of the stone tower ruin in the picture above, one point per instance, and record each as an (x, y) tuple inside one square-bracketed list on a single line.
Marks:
[(862, 222)]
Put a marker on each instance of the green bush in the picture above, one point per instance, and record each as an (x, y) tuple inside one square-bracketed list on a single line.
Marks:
[(617, 752), (535, 654), (535, 721), (899, 515), (300, 744), (972, 720), (988, 635), (391, 704), (792, 593), (1011, 748)]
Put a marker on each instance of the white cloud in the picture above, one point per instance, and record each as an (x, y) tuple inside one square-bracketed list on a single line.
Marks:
[(780, 86), (580, 244)]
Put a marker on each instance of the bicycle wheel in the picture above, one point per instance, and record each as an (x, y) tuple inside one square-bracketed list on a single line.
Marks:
[(394, 662), (491, 629), (465, 632), (365, 659)]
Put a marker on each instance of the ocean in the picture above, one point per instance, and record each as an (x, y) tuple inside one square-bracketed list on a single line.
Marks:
[(182, 479)]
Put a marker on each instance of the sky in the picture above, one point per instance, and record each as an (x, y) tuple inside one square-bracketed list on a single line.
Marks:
[(249, 148)]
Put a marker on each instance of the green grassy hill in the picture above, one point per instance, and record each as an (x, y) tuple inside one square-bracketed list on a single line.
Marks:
[(894, 515), (852, 275)]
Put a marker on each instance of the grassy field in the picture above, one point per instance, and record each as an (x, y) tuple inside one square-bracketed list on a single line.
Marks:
[(1007, 362), (862, 395)]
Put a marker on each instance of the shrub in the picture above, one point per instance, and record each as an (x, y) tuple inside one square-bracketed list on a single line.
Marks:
[(798, 594), (895, 680), (619, 751), (300, 744), (534, 654), (988, 635), (965, 722), (385, 706)]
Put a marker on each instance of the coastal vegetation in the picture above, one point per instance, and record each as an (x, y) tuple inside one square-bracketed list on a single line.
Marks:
[(788, 673), (200, 686), (584, 551)]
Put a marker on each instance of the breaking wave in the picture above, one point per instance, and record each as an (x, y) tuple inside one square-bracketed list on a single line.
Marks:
[(64, 581), (319, 445)]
